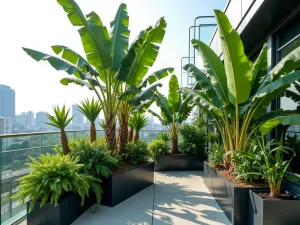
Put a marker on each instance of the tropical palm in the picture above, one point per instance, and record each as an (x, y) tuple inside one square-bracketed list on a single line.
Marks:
[(91, 110), (235, 94), (174, 111), (110, 67), (138, 121), (60, 120)]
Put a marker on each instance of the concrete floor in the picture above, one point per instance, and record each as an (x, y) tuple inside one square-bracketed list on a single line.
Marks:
[(178, 198)]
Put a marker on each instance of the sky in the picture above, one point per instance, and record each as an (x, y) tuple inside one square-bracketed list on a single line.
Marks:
[(40, 24)]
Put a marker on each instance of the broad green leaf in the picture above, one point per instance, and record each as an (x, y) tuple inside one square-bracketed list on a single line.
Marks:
[(284, 120), (204, 83), (157, 75), (163, 122), (74, 58), (70, 80), (147, 54), (56, 63), (292, 95), (94, 36), (119, 36), (143, 107), (214, 67), (273, 114), (237, 64), (174, 96), (259, 69), (129, 92), (185, 110), (162, 103), (144, 95), (288, 64), (132, 54)]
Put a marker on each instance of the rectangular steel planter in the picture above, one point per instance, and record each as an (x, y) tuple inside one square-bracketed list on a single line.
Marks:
[(120, 187), (233, 200), (179, 162), (67, 211), (273, 212)]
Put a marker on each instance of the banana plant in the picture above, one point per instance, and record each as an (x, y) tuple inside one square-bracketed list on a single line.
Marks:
[(138, 121), (174, 110), (109, 61), (60, 120), (91, 109), (235, 93)]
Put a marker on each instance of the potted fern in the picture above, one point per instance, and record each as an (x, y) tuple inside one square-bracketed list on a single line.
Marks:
[(57, 190)]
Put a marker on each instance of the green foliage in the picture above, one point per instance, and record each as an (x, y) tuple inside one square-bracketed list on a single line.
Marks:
[(163, 136), (159, 147), (96, 157), (193, 137), (212, 137), (137, 153), (215, 154), (52, 177), (60, 118), (138, 121), (90, 108)]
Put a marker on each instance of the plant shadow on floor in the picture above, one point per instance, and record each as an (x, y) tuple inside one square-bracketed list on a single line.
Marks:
[(180, 174), (186, 206)]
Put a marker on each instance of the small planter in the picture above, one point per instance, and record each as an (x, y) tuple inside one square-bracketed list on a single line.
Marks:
[(273, 212), (120, 187), (232, 199), (179, 162), (67, 211)]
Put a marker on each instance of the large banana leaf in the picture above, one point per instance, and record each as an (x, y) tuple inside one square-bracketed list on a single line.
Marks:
[(94, 36), (163, 122), (292, 95), (152, 78), (259, 69), (147, 54), (132, 54), (71, 80), (74, 58), (119, 36), (184, 111), (266, 127), (214, 67), (174, 98), (56, 63), (204, 83), (162, 103), (144, 95), (288, 64), (237, 64)]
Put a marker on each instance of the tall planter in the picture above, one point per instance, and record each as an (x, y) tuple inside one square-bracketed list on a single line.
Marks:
[(68, 210), (233, 200), (273, 212), (120, 187)]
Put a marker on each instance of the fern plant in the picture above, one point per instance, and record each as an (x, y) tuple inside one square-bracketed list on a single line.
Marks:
[(54, 176), (137, 152), (60, 120), (91, 110), (96, 157), (159, 147)]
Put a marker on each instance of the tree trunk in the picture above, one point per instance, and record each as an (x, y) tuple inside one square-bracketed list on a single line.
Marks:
[(110, 132), (64, 142), (275, 191), (93, 133), (136, 136), (174, 145), (130, 135), (123, 137)]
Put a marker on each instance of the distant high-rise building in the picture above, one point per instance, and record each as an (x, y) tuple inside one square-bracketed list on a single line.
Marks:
[(31, 120), (78, 117), (22, 120), (7, 102), (41, 119), (5, 128)]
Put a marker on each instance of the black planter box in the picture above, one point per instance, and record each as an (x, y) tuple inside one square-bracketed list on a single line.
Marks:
[(233, 200), (179, 162), (119, 187), (67, 211), (273, 212)]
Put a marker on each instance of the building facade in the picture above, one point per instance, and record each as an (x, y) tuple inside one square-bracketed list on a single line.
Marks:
[(7, 102), (5, 128), (78, 118)]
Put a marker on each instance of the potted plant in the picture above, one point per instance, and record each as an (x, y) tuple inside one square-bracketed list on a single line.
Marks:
[(273, 206), (57, 190)]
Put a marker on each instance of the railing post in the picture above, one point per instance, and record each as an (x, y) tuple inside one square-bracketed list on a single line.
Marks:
[(41, 146), (10, 199)]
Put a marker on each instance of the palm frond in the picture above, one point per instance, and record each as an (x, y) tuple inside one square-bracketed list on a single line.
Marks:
[(90, 108), (60, 119)]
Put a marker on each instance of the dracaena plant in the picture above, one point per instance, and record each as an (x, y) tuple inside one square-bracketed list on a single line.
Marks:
[(173, 111), (91, 109), (60, 119), (110, 67), (235, 93)]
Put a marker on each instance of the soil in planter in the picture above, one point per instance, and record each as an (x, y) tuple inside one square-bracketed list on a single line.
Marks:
[(239, 183), (126, 166), (283, 196)]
